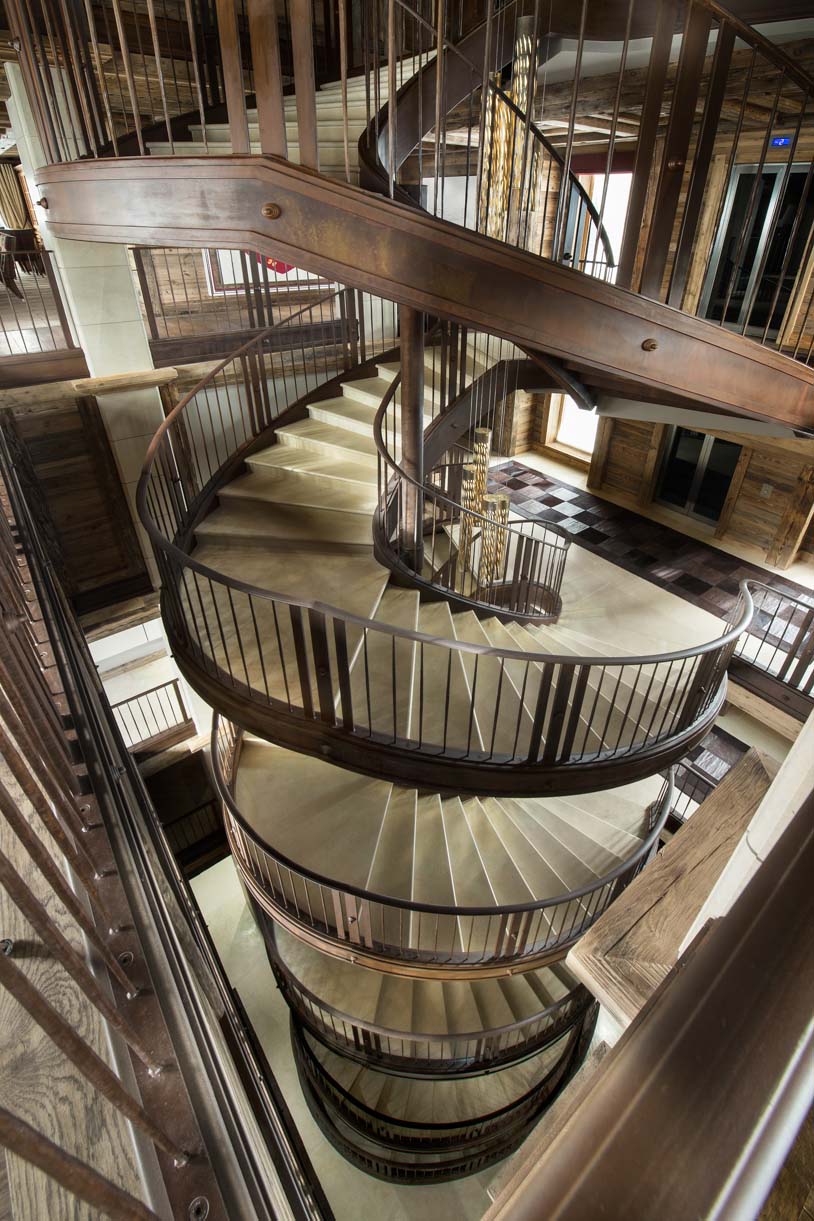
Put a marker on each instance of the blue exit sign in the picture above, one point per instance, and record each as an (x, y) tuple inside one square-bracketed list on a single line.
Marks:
[(781, 141)]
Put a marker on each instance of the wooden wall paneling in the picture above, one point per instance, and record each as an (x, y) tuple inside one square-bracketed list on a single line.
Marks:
[(76, 476), (652, 463), (599, 457), (757, 516), (795, 521), (627, 452), (734, 491)]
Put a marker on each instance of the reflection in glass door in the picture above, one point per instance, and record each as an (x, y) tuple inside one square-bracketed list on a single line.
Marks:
[(760, 247), (696, 473)]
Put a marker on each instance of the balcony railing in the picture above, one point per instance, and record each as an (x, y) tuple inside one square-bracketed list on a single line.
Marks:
[(414, 1152), (155, 716), (780, 639), (362, 922), (436, 1055)]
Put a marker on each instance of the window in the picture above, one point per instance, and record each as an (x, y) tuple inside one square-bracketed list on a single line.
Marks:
[(574, 427)]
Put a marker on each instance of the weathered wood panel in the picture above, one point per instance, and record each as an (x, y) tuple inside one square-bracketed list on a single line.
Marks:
[(73, 475)]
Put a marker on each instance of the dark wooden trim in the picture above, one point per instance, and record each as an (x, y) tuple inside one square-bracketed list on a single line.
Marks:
[(451, 774), (36, 368), (232, 67), (772, 690), (302, 40), (736, 483), (415, 259), (716, 90), (264, 34)]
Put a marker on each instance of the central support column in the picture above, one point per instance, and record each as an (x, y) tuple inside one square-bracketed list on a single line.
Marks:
[(411, 326)]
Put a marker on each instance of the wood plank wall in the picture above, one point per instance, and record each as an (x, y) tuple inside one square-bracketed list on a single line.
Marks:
[(72, 476), (767, 508)]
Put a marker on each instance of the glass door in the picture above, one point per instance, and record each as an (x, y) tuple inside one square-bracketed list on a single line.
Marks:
[(758, 251), (696, 473)]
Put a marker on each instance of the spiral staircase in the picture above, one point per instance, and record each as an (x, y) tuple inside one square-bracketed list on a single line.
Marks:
[(435, 774)]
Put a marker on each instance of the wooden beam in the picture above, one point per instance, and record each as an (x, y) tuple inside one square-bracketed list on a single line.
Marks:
[(701, 164), (652, 464), (675, 149), (645, 149), (400, 253), (411, 326), (629, 951), (735, 486), (794, 522), (599, 457)]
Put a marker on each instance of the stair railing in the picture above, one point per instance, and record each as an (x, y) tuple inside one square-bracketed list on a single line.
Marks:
[(302, 671), (436, 1055), (446, 936), (780, 639), (476, 559), (491, 112)]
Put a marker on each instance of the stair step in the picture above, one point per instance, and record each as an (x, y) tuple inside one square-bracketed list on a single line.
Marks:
[(391, 863), (507, 883), (504, 721), (280, 525), (330, 441), (380, 660), (351, 413), (281, 488), (563, 851), (443, 715), (324, 471), (528, 851), (432, 882)]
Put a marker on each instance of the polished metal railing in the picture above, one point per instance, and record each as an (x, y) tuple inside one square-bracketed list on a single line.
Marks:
[(33, 317), (431, 1054), (444, 936), (309, 667)]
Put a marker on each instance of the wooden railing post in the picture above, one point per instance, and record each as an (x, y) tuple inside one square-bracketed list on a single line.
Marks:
[(651, 117), (411, 323), (233, 76), (676, 148), (302, 40), (268, 76)]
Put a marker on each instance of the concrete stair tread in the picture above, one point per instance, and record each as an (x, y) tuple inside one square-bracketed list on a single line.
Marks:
[(568, 854), (330, 440), (266, 524), (298, 488), (506, 881), (530, 852), (377, 660), (351, 581), (323, 470)]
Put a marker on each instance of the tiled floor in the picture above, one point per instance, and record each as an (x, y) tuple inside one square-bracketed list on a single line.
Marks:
[(695, 571)]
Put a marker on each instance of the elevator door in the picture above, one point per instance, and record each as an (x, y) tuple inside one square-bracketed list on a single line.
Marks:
[(696, 473)]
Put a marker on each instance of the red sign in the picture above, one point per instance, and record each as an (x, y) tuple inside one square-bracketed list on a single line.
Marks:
[(276, 265)]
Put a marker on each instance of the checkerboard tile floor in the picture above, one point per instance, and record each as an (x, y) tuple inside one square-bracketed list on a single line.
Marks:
[(695, 571)]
